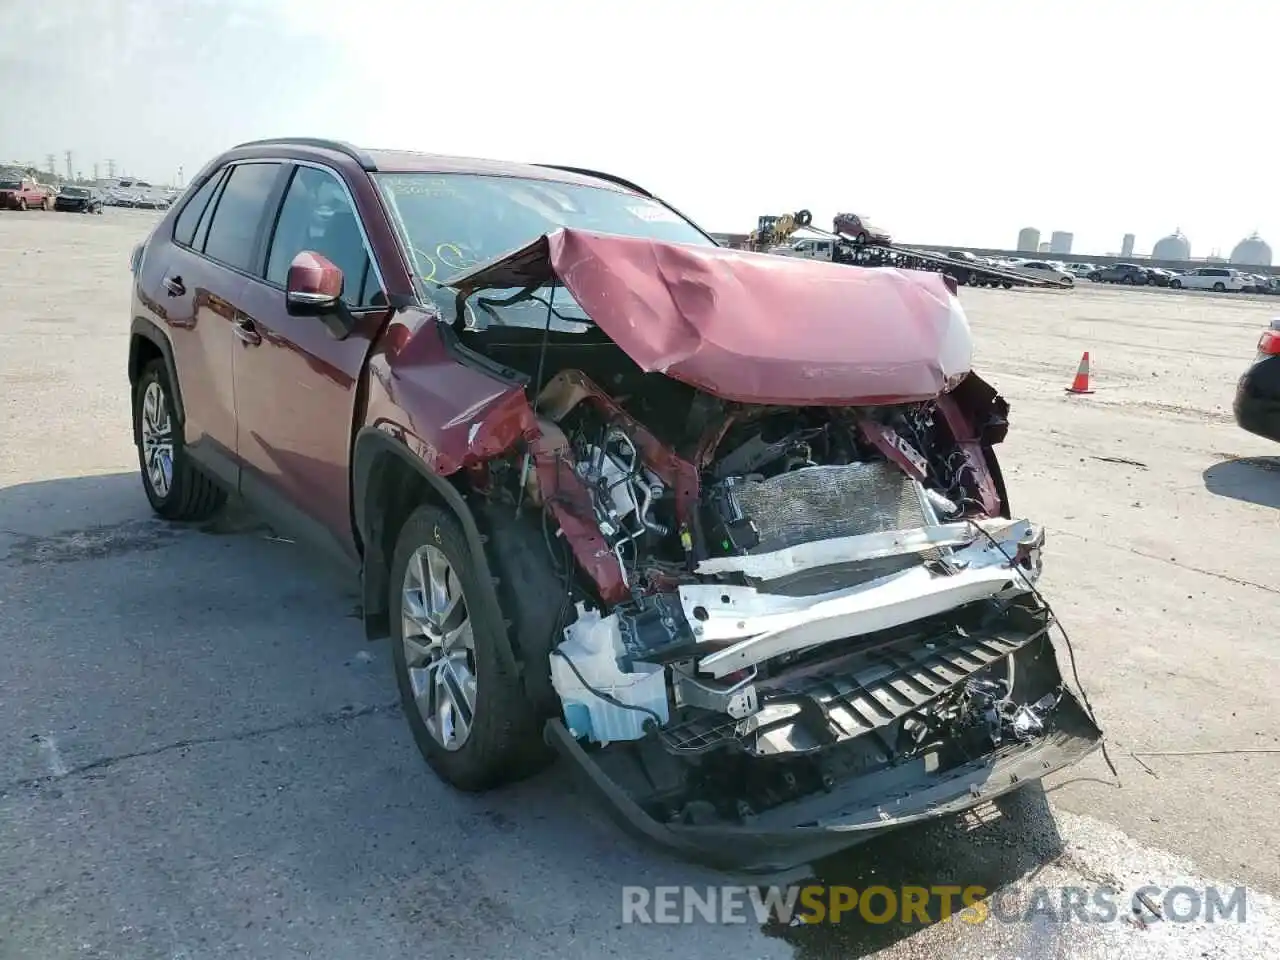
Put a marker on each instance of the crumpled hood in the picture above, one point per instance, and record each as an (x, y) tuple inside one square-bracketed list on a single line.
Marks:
[(752, 327)]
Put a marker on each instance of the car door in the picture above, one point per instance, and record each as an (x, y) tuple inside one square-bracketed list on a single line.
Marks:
[(194, 285), (295, 381)]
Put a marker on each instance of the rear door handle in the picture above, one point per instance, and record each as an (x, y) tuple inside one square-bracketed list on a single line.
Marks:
[(245, 330), (175, 286)]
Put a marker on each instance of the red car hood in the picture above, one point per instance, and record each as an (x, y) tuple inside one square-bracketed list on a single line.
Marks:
[(753, 327)]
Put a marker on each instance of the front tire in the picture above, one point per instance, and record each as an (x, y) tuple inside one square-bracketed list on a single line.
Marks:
[(174, 485), (1219, 287), (470, 717), (1176, 284)]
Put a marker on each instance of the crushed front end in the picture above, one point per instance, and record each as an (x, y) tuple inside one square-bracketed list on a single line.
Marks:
[(817, 626), (796, 609)]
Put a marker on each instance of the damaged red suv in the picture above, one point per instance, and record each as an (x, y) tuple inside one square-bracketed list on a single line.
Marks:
[(725, 530)]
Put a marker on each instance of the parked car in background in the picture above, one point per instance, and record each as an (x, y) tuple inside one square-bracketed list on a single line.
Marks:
[(1257, 400), (1046, 268), (860, 229), (25, 193), (1081, 270), (1159, 277), (1221, 279), (1129, 273), (75, 199), (148, 200)]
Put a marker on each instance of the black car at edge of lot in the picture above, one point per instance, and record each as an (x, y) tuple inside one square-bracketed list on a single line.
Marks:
[(73, 199), (1257, 403), (1129, 273)]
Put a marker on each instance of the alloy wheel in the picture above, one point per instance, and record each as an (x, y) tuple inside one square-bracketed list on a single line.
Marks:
[(439, 646), (157, 439)]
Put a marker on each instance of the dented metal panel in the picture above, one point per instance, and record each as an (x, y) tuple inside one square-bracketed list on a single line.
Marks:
[(752, 327)]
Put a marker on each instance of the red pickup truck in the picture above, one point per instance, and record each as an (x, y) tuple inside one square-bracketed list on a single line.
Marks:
[(24, 193)]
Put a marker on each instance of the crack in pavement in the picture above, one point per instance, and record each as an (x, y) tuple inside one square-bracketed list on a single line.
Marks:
[(1175, 563), (324, 719)]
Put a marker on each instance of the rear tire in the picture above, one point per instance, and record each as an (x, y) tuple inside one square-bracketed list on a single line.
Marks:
[(22, 203), (45, 205), (1176, 284), (174, 485), (437, 668)]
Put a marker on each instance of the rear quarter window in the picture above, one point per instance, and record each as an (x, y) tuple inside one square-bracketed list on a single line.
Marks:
[(185, 230), (239, 214)]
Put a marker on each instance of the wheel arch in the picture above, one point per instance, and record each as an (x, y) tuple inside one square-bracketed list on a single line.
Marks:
[(388, 482), (148, 342)]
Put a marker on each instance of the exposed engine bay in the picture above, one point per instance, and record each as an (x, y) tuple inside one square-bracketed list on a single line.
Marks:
[(763, 603), (794, 606)]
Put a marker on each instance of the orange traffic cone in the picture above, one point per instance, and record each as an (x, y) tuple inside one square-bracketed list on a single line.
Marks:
[(1081, 383)]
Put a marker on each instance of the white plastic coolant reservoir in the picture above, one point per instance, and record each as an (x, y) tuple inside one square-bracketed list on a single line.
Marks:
[(594, 644)]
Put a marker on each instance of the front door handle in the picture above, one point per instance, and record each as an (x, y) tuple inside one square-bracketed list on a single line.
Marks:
[(248, 335), (175, 286)]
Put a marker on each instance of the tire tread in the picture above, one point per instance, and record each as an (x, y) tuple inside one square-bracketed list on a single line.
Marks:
[(505, 743), (193, 495)]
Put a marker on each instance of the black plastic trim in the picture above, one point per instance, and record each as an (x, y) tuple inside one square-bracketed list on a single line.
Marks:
[(599, 175), (272, 505), (778, 845), (622, 182), (339, 146), (370, 442), (148, 330)]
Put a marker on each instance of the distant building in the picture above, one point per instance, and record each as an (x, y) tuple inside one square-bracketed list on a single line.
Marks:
[(1029, 239), (1173, 247), (1060, 242), (1042, 246), (1126, 246), (1252, 251)]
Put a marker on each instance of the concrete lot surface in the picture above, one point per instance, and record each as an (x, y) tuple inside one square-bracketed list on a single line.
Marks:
[(200, 756)]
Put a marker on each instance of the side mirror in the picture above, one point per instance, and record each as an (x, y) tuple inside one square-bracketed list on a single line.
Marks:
[(313, 288)]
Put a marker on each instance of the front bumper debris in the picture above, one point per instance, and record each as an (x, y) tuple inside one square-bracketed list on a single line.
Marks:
[(880, 731), (798, 835)]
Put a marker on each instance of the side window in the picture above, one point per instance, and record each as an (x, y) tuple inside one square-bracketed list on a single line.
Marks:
[(317, 215), (202, 228), (238, 213), (185, 230)]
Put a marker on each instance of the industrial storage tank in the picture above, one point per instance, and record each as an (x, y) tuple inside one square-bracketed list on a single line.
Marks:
[(1252, 251), (1173, 247)]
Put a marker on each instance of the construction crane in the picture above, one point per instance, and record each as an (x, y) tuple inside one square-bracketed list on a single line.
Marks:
[(856, 241), (774, 230)]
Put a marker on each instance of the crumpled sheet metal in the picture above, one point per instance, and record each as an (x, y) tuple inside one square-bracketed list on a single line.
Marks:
[(753, 327)]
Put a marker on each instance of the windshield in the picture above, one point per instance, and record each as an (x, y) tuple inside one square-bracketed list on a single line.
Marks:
[(74, 192), (451, 222)]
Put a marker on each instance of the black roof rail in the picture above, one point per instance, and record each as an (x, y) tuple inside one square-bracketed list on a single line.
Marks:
[(582, 171), (340, 146)]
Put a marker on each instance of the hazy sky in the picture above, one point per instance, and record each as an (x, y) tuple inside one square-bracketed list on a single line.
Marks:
[(948, 122)]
